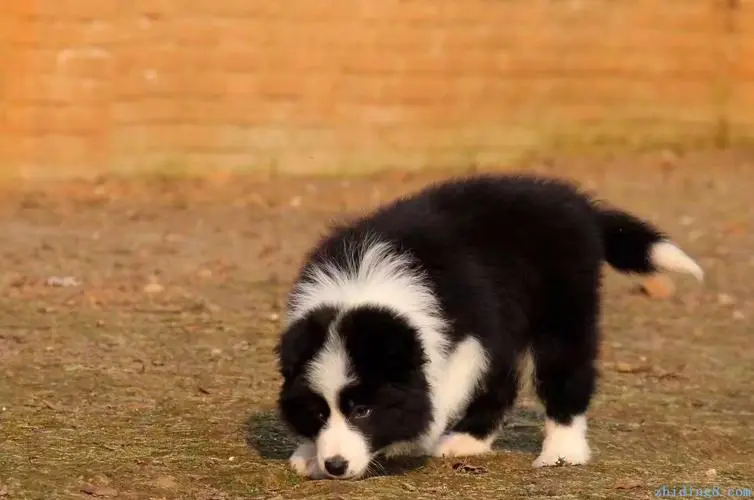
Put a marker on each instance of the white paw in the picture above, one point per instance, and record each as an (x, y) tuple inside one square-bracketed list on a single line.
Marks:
[(459, 444), (304, 461), (564, 444)]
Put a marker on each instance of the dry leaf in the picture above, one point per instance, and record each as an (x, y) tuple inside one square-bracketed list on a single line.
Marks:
[(408, 486), (627, 484), (468, 468), (658, 287), (737, 228), (50, 405), (99, 491)]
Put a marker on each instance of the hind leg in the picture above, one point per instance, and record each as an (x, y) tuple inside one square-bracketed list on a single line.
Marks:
[(565, 352), (480, 425)]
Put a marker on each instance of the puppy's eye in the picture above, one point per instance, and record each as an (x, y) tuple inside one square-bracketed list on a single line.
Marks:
[(360, 411), (321, 416)]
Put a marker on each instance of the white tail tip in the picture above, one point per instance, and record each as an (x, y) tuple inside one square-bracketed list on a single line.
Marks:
[(666, 256)]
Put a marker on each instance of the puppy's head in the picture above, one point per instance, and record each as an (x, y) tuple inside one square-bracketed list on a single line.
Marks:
[(353, 383)]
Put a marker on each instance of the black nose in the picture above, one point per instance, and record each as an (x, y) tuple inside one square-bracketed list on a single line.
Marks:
[(336, 465)]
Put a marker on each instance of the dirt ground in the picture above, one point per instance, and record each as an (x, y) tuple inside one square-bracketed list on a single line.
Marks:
[(138, 320)]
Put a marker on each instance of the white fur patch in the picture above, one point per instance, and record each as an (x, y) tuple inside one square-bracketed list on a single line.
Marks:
[(304, 461), (463, 371), (460, 444), (666, 256), (564, 443)]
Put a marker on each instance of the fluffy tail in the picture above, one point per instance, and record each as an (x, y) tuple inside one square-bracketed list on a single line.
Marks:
[(635, 246)]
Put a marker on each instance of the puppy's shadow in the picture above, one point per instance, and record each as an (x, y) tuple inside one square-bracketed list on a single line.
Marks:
[(268, 436), (522, 431)]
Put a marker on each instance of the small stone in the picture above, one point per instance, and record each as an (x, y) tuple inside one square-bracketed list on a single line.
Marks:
[(63, 281), (725, 300), (242, 346), (100, 322), (623, 367), (658, 287), (711, 473), (153, 288), (687, 220), (739, 315), (296, 201), (204, 273)]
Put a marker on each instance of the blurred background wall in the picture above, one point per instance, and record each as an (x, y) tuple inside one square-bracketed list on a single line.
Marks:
[(96, 86)]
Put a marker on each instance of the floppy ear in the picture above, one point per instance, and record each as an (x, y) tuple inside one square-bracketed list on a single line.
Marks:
[(302, 339), (382, 343)]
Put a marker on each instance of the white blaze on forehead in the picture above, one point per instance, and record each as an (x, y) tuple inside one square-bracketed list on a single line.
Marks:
[(329, 370)]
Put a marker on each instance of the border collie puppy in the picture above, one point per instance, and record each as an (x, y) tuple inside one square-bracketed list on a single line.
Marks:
[(407, 329)]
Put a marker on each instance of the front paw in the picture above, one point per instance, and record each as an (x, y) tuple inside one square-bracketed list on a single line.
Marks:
[(304, 461), (459, 444)]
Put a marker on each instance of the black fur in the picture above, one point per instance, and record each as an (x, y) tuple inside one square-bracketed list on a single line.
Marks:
[(388, 361)]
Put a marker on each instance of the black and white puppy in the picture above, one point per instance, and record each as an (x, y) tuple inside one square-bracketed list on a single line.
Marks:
[(407, 329)]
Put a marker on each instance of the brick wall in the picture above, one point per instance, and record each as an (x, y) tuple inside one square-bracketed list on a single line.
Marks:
[(91, 86)]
